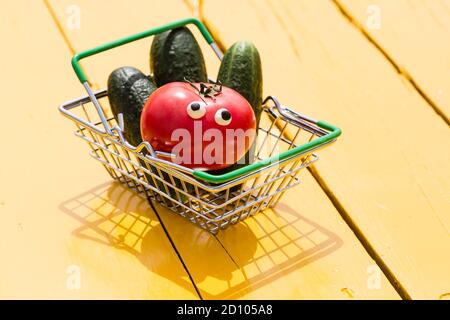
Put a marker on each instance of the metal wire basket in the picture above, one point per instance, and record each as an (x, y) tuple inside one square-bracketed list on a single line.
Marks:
[(285, 144)]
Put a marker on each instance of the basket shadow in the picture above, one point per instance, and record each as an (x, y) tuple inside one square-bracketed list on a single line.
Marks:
[(245, 257), (263, 248), (111, 214)]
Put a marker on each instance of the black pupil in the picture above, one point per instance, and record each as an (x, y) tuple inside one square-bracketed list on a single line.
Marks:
[(195, 106), (226, 115)]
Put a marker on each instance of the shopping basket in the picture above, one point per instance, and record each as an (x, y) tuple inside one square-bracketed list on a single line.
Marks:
[(285, 144)]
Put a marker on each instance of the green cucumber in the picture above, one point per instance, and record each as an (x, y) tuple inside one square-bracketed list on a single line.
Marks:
[(176, 55), (241, 70), (128, 90)]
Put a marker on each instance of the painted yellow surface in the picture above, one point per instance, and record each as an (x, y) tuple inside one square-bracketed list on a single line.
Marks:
[(64, 217), (412, 32), (59, 211), (390, 170), (302, 249)]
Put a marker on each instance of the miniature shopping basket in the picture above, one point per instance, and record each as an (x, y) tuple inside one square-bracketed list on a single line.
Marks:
[(285, 144)]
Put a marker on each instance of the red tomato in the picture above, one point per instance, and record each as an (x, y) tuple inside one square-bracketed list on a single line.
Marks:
[(202, 131)]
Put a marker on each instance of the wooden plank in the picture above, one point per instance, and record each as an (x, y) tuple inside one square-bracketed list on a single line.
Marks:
[(49, 184), (414, 34), (389, 171), (335, 266)]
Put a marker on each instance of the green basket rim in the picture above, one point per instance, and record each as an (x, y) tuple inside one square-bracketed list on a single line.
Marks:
[(333, 133)]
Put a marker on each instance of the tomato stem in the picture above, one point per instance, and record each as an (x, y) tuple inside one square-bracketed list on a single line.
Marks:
[(206, 90)]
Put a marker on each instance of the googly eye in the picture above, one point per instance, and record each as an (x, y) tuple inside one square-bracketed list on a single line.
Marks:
[(196, 109), (222, 117)]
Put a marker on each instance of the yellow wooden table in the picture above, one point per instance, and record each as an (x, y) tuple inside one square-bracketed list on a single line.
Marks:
[(375, 209)]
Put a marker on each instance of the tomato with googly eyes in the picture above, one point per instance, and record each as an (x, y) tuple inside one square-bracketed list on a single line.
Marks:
[(203, 126)]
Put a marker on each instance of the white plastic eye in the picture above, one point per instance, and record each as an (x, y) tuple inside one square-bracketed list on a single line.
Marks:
[(196, 109), (222, 117)]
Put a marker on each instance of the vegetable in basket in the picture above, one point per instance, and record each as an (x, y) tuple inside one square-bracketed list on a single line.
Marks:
[(128, 90), (241, 70), (175, 55), (204, 126)]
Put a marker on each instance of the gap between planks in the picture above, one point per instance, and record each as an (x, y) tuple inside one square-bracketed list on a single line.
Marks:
[(397, 67)]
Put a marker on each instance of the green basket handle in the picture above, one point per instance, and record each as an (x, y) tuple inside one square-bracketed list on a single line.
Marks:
[(117, 43)]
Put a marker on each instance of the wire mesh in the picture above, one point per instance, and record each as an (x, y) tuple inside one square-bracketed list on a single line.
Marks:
[(210, 206)]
